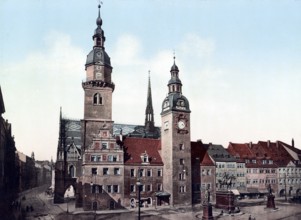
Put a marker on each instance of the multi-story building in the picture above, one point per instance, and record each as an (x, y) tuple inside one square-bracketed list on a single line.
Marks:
[(8, 165)]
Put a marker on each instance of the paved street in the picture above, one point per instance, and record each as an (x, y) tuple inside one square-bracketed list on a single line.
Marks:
[(44, 209)]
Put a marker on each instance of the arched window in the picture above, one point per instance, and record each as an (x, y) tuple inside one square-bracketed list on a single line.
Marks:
[(72, 171), (97, 99)]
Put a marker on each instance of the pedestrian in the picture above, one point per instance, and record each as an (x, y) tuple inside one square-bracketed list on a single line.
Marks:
[(250, 217)]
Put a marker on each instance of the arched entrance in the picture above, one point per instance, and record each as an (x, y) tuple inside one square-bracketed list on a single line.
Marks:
[(69, 192), (112, 204), (94, 205)]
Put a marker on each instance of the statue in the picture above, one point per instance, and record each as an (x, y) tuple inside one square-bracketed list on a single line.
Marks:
[(227, 180), (207, 196)]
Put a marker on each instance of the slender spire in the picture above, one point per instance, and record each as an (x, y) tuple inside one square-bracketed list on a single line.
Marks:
[(149, 112)]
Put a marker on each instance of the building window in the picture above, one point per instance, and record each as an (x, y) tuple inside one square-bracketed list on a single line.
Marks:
[(159, 172), (181, 146), (133, 173), (95, 158), (133, 188), (182, 161), (148, 188), (109, 188), (145, 159), (116, 171), (97, 99), (159, 187), (116, 188), (112, 158), (104, 146), (181, 176), (105, 171), (182, 189), (141, 172), (94, 171), (149, 172)]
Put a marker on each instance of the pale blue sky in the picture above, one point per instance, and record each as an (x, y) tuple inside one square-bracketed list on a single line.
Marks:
[(239, 64)]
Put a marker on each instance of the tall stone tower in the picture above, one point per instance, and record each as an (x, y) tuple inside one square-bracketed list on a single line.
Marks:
[(102, 157), (175, 142)]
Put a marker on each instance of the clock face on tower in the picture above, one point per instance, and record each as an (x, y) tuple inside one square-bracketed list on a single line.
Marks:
[(181, 124)]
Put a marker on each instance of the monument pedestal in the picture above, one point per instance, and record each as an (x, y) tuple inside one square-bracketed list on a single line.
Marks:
[(225, 200), (271, 202), (207, 211)]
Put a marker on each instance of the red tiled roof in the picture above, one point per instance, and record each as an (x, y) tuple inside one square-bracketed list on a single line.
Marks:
[(135, 147), (207, 161)]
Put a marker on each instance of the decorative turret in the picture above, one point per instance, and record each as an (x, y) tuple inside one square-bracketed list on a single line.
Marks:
[(175, 101), (98, 55), (149, 112)]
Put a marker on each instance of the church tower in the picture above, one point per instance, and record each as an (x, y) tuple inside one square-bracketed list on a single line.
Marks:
[(149, 111), (102, 157), (175, 142)]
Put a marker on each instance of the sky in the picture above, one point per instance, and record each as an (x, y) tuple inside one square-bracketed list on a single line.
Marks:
[(239, 64)]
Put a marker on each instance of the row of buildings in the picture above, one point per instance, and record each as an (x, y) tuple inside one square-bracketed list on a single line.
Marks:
[(107, 164), (18, 172)]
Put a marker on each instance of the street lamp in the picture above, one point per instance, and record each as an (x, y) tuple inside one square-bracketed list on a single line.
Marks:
[(94, 208), (139, 196), (67, 203)]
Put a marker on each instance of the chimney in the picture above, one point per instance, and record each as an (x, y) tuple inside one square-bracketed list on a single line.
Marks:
[(269, 142), (250, 144), (199, 140), (293, 143)]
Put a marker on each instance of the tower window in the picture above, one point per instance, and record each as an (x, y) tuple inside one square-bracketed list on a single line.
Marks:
[(97, 99)]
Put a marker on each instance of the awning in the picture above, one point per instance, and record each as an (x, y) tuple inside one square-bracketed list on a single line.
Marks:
[(161, 194), (252, 190), (264, 191), (235, 192)]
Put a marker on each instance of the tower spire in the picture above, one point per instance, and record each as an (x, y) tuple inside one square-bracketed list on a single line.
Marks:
[(98, 36), (149, 112)]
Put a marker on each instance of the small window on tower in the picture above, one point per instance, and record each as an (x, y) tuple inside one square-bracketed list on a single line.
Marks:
[(97, 99)]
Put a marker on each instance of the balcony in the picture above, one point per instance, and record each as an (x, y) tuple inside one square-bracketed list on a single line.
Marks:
[(89, 83)]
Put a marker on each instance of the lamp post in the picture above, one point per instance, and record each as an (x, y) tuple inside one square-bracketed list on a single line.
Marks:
[(67, 203), (94, 208), (139, 196)]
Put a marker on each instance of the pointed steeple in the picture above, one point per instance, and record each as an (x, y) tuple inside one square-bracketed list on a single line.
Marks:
[(149, 112)]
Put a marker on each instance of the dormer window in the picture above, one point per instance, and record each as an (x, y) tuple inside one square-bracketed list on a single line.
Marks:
[(97, 99), (144, 158)]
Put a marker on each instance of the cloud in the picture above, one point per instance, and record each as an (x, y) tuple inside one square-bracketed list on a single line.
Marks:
[(37, 86)]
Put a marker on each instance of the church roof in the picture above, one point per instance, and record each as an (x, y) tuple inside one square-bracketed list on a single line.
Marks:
[(137, 147)]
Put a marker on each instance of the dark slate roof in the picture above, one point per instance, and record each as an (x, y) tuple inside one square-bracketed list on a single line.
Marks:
[(219, 154), (72, 132), (135, 147), (135, 131)]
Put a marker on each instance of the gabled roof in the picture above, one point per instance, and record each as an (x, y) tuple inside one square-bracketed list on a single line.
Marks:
[(207, 161), (136, 147)]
